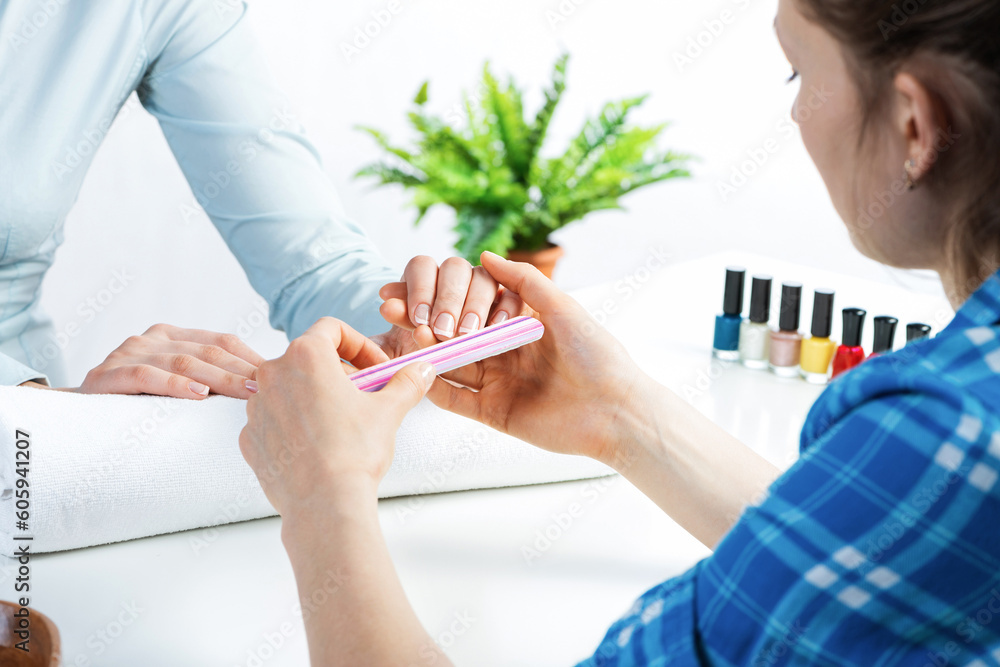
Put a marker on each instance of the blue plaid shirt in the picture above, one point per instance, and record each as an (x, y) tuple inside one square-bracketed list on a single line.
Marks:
[(880, 546)]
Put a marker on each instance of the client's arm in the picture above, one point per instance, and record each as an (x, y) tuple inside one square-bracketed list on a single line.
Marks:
[(319, 448), (577, 392)]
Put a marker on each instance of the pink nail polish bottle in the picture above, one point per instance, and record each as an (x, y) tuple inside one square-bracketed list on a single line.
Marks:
[(786, 341)]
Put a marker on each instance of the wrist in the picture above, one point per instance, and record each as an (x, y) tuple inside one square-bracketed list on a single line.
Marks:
[(636, 430), (338, 503)]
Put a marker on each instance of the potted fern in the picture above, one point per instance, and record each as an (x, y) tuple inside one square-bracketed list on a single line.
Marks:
[(508, 198)]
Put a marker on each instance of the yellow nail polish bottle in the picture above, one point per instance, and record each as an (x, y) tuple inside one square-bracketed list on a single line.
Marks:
[(818, 351)]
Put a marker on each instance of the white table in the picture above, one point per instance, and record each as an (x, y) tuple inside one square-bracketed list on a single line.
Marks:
[(225, 598)]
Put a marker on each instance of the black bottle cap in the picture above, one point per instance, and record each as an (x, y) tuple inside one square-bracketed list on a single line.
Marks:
[(854, 325), (822, 325), (917, 331), (760, 299), (791, 307), (885, 334), (732, 304)]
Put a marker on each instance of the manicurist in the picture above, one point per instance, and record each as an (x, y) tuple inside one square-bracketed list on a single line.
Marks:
[(880, 546)]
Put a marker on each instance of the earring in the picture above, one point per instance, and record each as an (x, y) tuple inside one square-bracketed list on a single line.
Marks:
[(909, 166)]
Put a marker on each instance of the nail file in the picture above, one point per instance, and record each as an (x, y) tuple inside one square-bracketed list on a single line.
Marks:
[(457, 352)]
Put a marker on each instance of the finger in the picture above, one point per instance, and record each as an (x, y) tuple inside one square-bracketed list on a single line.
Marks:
[(459, 400), (482, 294), (424, 337), (229, 342), (146, 379), (220, 381), (453, 283), (214, 355), (352, 346), (406, 389), (421, 277), (395, 312), (508, 306), (393, 291), (525, 280)]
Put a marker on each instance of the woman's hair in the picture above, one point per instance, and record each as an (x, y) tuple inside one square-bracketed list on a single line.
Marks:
[(953, 48)]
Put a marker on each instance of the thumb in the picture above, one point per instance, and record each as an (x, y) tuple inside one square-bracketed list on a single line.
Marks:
[(407, 388), (526, 281)]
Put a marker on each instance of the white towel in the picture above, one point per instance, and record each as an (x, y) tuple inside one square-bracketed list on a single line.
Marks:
[(106, 469)]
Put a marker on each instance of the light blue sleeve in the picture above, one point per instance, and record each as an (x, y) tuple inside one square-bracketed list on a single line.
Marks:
[(13, 372), (252, 169)]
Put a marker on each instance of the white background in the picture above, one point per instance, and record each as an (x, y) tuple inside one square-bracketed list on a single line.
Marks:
[(730, 100)]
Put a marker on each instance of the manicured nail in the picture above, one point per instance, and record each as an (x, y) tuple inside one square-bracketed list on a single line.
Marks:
[(198, 388), (470, 323), (492, 254), (445, 325), (422, 314), (500, 317), (427, 374), (252, 386)]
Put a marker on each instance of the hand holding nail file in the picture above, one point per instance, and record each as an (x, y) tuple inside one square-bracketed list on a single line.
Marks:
[(461, 351)]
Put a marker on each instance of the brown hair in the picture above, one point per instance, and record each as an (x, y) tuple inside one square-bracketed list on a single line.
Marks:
[(953, 47)]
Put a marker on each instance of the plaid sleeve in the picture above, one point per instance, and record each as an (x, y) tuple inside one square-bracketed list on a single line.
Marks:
[(659, 629), (869, 551)]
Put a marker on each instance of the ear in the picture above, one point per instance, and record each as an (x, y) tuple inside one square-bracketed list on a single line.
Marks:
[(921, 119)]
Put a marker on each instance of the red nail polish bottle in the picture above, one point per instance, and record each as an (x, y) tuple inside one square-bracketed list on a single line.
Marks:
[(885, 335), (850, 353)]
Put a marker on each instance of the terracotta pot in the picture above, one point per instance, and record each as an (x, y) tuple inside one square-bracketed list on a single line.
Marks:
[(544, 260), (43, 640)]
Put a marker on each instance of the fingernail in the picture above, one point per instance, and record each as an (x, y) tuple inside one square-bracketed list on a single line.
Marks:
[(198, 388), (427, 374), (500, 317), (252, 386), (470, 323), (445, 325), (492, 254), (422, 314)]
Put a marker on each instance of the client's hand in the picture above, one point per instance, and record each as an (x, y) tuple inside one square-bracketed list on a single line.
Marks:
[(183, 363), (453, 300), (309, 429), (571, 392)]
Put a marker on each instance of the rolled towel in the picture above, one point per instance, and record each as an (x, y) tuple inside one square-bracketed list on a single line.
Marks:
[(103, 468)]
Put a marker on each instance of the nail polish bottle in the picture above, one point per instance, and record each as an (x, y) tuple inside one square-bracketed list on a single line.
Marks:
[(786, 341), (850, 353), (885, 335), (917, 331), (727, 325), (755, 335), (818, 350)]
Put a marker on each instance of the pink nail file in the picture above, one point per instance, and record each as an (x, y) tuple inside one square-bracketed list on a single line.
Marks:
[(457, 352)]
